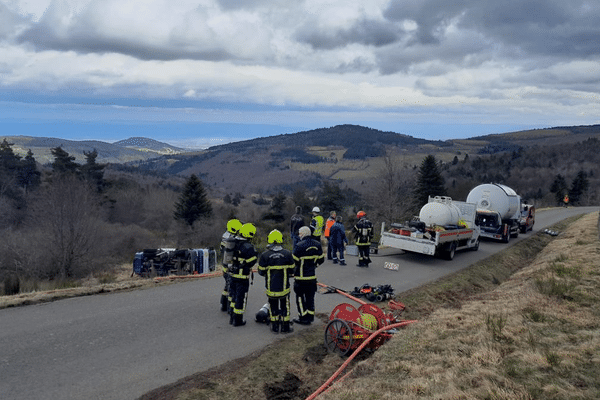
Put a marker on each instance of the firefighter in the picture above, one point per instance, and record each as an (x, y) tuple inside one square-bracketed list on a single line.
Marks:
[(239, 273), (227, 246), (363, 234), (276, 264), (308, 255), (328, 224), (317, 224)]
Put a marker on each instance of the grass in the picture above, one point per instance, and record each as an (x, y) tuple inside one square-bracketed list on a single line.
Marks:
[(519, 325)]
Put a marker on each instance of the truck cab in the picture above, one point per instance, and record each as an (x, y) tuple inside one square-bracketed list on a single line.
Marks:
[(527, 218)]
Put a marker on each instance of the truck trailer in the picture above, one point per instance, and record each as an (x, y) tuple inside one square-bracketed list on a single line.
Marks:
[(498, 211), (443, 227)]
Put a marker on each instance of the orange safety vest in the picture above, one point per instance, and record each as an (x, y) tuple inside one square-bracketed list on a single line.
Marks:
[(328, 226)]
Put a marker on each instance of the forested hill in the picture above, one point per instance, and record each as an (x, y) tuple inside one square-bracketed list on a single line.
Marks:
[(359, 141)]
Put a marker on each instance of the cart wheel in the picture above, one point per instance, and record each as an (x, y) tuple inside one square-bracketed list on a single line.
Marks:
[(338, 337)]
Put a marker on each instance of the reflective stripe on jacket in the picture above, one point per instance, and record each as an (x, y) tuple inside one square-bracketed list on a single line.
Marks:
[(276, 265), (308, 255), (244, 261)]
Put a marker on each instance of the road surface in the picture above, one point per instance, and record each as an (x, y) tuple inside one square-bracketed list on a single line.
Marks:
[(122, 345)]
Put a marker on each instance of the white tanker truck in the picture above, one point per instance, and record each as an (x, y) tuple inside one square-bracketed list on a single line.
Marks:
[(443, 226), (498, 211)]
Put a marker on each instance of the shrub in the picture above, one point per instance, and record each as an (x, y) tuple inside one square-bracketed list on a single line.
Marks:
[(12, 284)]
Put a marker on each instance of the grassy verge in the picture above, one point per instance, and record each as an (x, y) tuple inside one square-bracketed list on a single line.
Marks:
[(522, 324)]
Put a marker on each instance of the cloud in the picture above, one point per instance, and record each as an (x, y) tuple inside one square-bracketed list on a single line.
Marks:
[(501, 56)]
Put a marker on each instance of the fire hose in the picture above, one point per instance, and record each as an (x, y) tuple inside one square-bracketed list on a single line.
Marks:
[(326, 385), (393, 304)]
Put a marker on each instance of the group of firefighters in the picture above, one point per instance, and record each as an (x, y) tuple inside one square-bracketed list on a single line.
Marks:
[(278, 265)]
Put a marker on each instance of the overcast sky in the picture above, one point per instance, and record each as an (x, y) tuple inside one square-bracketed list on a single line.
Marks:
[(222, 69)]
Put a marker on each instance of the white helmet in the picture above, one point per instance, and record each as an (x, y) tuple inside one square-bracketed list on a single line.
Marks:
[(316, 209)]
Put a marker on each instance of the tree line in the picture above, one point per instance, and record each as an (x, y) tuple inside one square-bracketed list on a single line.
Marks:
[(67, 220)]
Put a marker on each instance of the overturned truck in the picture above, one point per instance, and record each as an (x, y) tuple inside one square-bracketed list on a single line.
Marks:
[(167, 261)]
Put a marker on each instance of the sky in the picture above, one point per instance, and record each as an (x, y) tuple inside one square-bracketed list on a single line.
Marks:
[(203, 72)]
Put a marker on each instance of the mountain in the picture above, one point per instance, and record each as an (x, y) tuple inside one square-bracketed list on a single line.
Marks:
[(350, 154), (125, 151), (146, 144)]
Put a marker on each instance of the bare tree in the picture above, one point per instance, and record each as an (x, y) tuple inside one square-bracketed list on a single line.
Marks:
[(391, 197), (67, 215)]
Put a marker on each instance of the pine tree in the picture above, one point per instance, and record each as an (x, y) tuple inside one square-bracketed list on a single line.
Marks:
[(560, 188), (430, 182), (92, 171), (193, 203), (29, 176), (331, 197), (579, 186), (63, 162)]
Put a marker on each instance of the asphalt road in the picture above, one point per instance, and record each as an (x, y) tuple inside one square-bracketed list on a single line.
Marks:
[(122, 345)]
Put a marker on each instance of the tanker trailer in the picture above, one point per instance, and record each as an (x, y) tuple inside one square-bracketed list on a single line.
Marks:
[(443, 226), (498, 211)]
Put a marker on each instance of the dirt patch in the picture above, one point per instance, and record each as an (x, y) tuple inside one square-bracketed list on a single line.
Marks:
[(315, 354), (287, 389)]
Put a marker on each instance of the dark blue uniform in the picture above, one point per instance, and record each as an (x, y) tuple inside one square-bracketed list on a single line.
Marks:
[(277, 265), (308, 255)]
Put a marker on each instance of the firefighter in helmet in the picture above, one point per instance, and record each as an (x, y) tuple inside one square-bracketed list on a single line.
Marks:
[(244, 258), (276, 264), (308, 255), (317, 223), (227, 246), (363, 234)]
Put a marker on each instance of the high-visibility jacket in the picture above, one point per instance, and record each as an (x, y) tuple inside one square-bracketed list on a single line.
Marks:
[(328, 224), (308, 255), (276, 265), (316, 226)]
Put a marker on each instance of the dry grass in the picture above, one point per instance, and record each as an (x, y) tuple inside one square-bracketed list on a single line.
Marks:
[(536, 336), (118, 279)]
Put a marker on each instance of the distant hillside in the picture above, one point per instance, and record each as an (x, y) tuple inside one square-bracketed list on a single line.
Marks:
[(146, 144), (360, 141), (546, 136), (107, 152), (346, 153)]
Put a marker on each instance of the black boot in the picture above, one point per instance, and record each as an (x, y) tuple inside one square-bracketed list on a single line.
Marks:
[(238, 320), (275, 326), (223, 303), (286, 328)]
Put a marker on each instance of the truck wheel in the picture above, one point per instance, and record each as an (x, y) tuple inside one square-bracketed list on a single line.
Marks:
[(476, 246), (506, 238), (451, 251)]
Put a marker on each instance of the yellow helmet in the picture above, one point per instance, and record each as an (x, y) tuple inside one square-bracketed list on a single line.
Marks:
[(233, 226), (275, 237), (248, 230)]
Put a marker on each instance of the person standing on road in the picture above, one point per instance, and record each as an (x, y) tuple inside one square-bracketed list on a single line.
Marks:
[(297, 222), (363, 234), (337, 240), (328, 224), (307, 257), (317, 224), (239, 273), (277, 265), (228, 241)]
